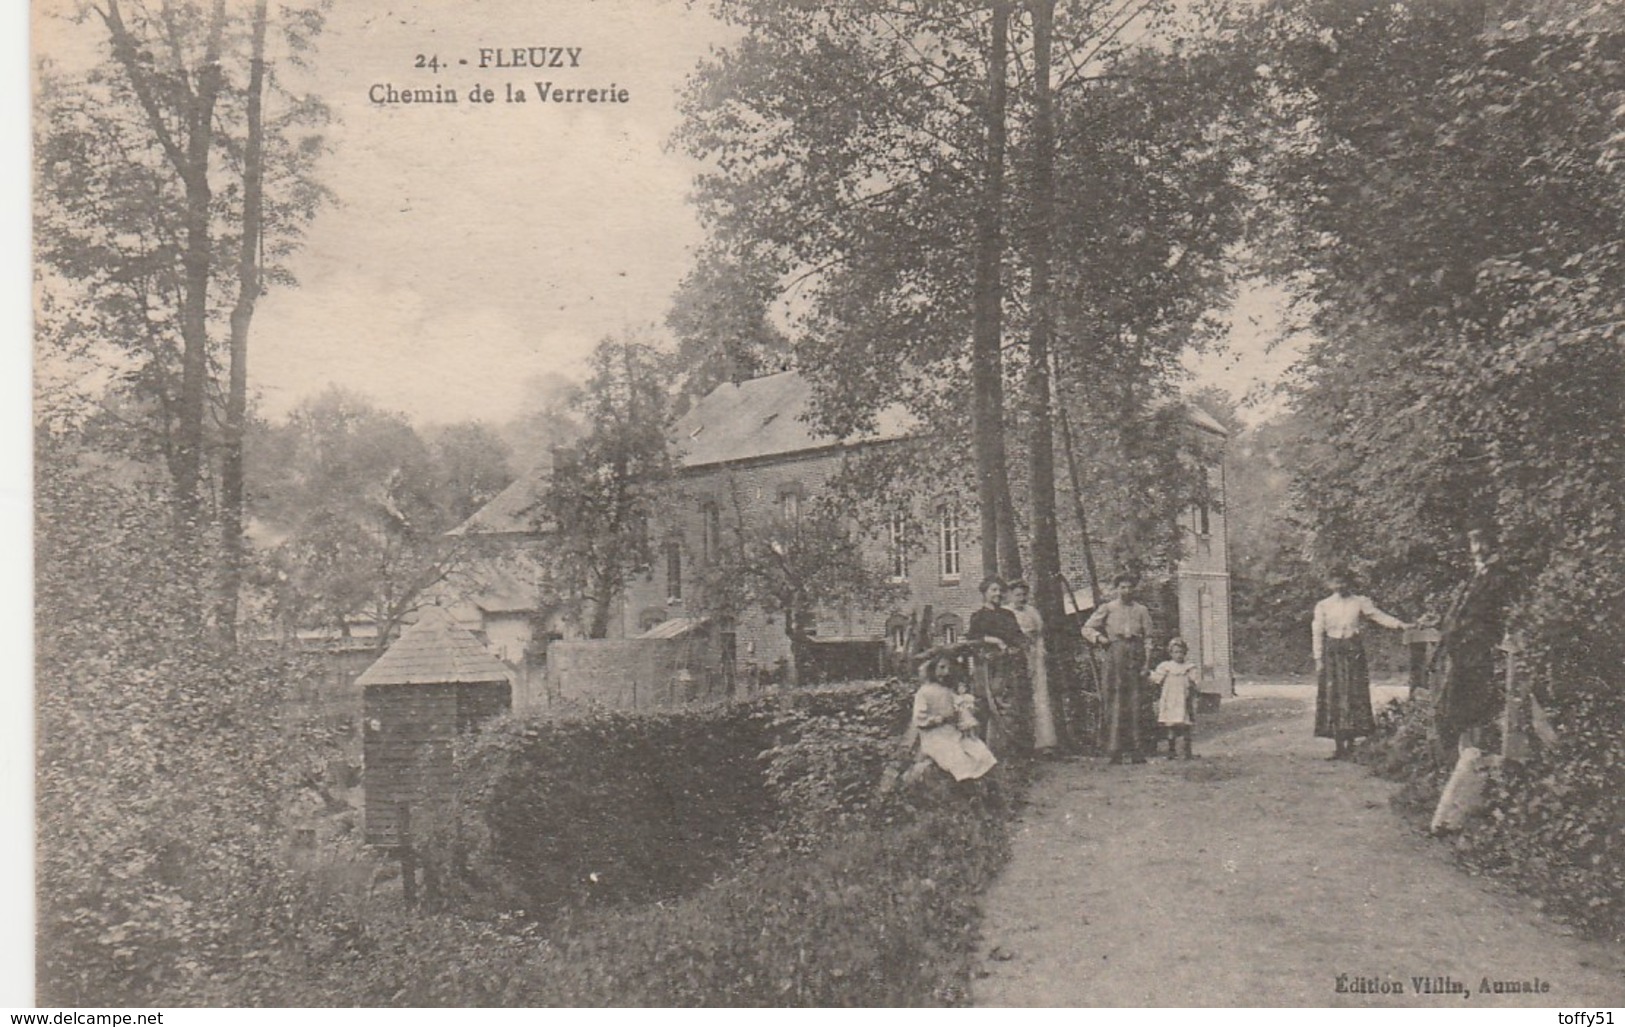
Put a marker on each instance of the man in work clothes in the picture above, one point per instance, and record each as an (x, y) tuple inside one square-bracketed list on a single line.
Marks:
[(1123, 626)]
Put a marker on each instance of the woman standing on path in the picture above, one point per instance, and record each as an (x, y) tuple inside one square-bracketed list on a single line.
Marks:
[(1343, 697), (1032, 630), (999, 669), (1124, 626)]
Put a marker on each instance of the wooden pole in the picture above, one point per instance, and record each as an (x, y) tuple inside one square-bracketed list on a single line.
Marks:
[(1515, 737), (1077, 492), (409, 860)]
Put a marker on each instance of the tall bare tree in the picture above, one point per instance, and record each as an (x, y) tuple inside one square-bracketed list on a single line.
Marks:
[(174, 176)]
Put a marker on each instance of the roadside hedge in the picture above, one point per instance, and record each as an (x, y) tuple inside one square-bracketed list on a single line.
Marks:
[(1554, 825), (882, 916), (556, 812), (809, 885)]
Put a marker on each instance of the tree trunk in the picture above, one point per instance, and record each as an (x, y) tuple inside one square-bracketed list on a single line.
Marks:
[(987, 374), (598, 625), (1046, 550), (1009, 548), (792, 664), (242, 315), (1069, 447), (190, 159)]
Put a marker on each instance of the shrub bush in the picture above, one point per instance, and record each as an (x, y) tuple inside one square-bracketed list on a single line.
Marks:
[(831, 748), (1402, 750), (164, 760), (881, 915), (618, 806), (835, 894), (1554, 825), (612, 805)]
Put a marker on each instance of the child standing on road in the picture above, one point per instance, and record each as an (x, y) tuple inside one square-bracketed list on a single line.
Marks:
[(1176, 710)]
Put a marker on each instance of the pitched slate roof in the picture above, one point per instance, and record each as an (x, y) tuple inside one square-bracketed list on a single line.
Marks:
[(763, 417), (517, 509), (502, 592), (435, 651)]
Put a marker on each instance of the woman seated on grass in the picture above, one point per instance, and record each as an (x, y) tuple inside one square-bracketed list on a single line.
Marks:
[(945, 716)]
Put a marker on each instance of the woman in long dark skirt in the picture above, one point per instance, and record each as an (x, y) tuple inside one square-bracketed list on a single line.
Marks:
[(1001, 671), (1124, 627), (1343, 700)]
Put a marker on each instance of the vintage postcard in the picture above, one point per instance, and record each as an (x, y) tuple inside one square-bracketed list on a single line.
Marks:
[(747, 502)]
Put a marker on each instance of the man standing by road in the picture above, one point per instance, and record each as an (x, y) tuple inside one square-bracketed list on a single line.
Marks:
[(1124, 627)]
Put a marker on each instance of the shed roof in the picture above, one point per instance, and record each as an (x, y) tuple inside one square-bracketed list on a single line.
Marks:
[(1202, 419), (676, 627), (435, 651)]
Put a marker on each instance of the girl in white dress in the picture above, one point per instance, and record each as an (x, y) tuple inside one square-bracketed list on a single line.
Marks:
[(1176, 710), (946, 722)]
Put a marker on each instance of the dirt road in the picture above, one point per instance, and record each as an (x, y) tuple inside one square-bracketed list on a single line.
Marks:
[(1258, 874)]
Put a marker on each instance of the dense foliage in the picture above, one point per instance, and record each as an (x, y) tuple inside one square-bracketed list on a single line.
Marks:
[(876, 916), (607, 807), (1451, 185), (352, 505), (785, 875), (1454, 203), (794, 880), (1553, 825), (164, 757), (600, 504), (616, 807)]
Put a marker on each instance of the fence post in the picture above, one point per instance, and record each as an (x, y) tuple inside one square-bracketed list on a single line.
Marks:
[(1421, 643), (1515, 737), (409, 859)]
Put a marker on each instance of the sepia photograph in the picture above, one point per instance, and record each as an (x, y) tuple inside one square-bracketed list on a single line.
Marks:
[(870, 503)]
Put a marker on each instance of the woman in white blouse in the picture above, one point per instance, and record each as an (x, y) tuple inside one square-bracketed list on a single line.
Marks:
[(1343, 701)]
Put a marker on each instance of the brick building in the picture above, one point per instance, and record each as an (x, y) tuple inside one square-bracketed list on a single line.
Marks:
[(746, 447)]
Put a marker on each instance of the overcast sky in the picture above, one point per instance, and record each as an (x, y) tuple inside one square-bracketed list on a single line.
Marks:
[(481, 244), (475, 246)]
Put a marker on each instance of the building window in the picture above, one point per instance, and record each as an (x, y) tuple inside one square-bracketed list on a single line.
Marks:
[(897, 545), (711, 532), (949, 628), (674, 571), (948, 543), (1199, 519), (790, 506), (897, 632), (637, 528)]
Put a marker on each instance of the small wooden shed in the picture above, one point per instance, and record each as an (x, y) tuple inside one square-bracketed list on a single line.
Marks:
[(436, 682)]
